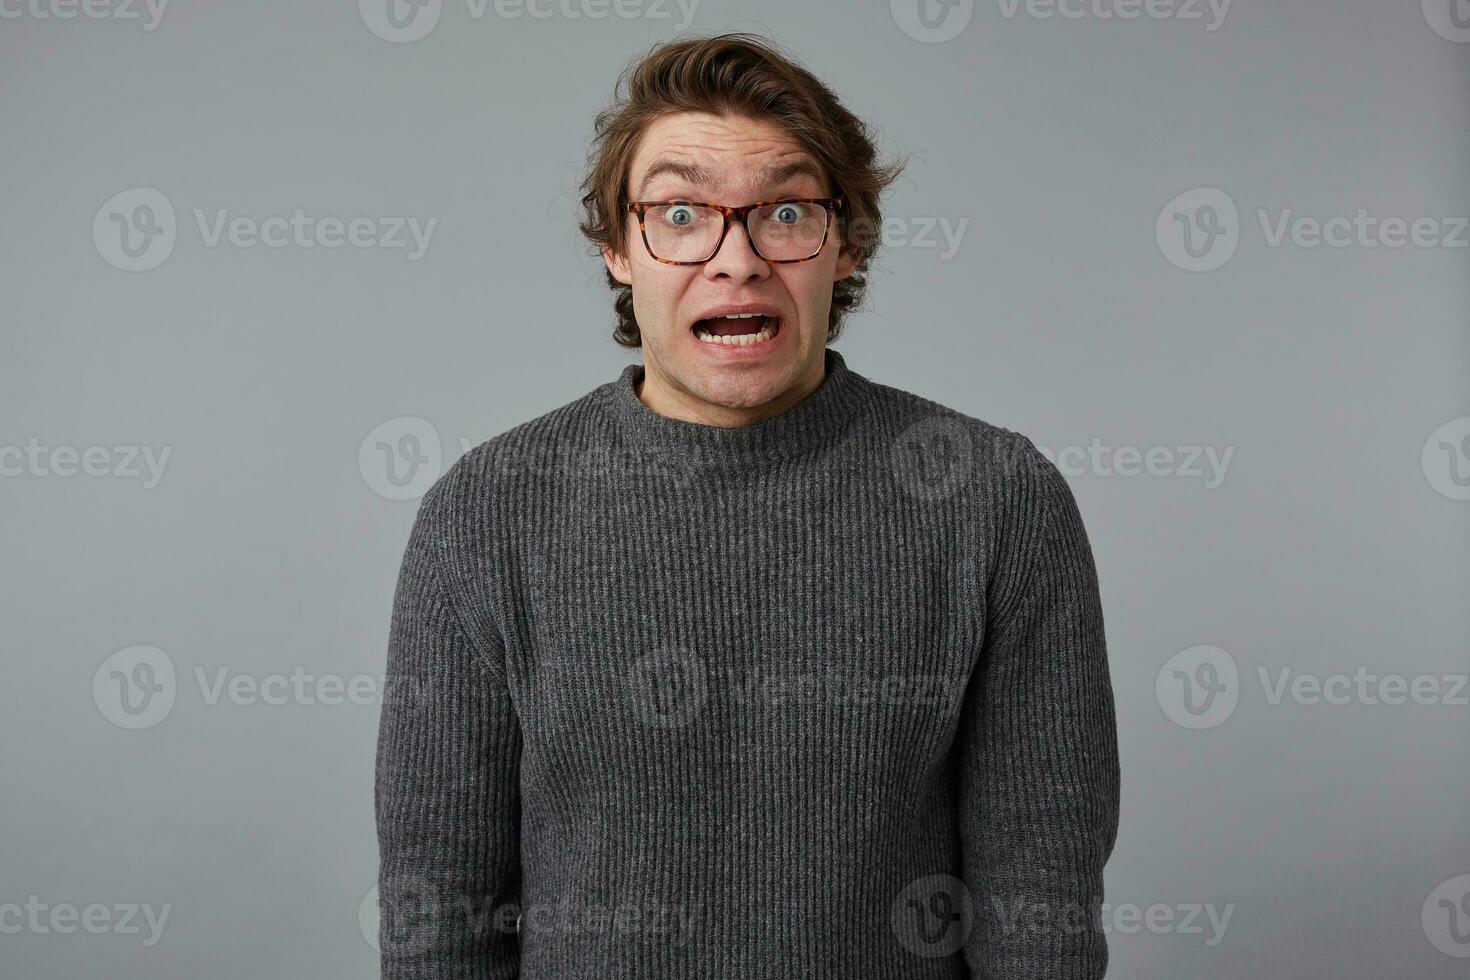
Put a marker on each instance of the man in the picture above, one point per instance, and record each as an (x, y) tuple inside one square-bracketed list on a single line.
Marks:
[(744, 665)]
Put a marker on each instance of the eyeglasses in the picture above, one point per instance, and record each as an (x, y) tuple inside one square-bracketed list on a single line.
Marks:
[(691, 232)]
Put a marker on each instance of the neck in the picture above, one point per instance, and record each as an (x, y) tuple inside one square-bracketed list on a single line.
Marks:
[(802, 423), (660, 395)]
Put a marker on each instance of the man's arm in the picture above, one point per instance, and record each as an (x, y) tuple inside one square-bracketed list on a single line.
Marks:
[(1038, 752), (447, 797)]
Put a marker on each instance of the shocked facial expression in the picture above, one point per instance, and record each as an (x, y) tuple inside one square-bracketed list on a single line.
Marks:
[(736, 337)]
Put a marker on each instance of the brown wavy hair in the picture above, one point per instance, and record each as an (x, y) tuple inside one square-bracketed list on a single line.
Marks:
[(733, 74)]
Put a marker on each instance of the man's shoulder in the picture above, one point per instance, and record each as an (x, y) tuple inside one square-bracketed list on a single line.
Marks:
[(903, 418), (524, 447)]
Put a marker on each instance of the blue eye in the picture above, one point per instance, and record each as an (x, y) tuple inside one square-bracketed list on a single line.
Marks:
[(684, 215), (789, 213)]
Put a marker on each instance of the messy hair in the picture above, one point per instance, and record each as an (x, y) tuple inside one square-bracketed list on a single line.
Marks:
[(742, 75)]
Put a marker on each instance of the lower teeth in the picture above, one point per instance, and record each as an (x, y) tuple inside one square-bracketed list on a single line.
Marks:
[(739, 340)]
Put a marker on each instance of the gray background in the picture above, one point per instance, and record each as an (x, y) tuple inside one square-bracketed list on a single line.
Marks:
[(271, 544)]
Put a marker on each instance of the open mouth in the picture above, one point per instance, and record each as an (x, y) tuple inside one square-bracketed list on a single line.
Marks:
[(738, 330)]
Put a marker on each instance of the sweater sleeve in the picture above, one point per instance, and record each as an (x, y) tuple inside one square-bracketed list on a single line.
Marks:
[(1038, 756), (447, 786)]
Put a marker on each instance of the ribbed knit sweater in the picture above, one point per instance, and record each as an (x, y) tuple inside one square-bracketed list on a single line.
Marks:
[(821, 696)]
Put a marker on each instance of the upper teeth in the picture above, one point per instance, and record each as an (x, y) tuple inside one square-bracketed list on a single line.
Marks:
[(740, 316)]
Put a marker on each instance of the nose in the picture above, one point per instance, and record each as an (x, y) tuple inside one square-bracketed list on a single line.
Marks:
[(736, 259)]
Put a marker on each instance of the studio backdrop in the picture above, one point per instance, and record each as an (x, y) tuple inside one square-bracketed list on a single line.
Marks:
[(269, 269)]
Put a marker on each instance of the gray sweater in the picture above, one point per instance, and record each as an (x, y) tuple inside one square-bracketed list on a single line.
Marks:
[(822, 696)]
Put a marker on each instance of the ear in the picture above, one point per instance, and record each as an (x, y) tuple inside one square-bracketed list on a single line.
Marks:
[(846, 262), (617, 265)]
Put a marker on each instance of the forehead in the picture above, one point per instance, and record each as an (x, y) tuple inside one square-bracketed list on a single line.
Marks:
[(720, 153)]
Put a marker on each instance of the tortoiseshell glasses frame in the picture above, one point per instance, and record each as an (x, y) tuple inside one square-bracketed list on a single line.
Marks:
[(832, 205)]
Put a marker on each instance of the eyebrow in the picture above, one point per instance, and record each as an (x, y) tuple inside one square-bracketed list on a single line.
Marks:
[(693, 173)]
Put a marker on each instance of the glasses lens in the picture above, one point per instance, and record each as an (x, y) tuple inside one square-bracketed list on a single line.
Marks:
[(682, 232), (788, 230)]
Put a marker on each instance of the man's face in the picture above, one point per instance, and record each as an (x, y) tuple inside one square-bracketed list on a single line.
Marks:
[(727, 160)]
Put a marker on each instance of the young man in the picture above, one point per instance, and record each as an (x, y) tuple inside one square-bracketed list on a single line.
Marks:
[(744, 665)]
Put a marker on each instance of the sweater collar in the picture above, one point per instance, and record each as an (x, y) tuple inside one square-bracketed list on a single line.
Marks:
[(800, 430)]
